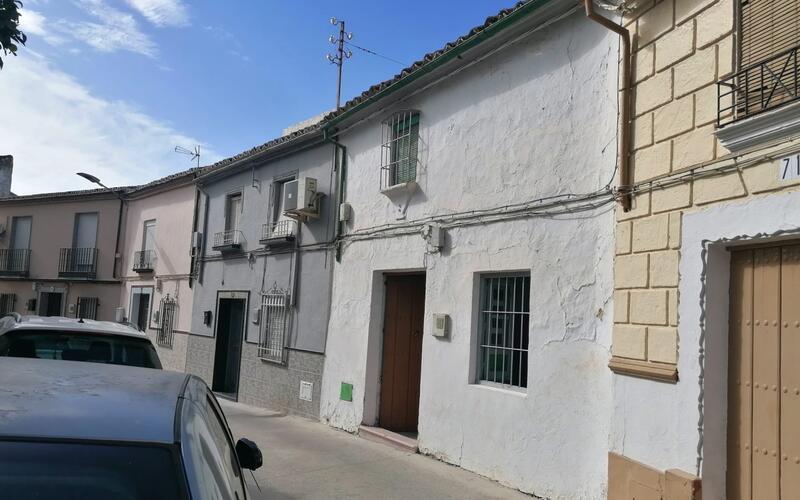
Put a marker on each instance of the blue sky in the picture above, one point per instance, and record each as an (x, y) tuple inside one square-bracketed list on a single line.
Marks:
[(111, 86)]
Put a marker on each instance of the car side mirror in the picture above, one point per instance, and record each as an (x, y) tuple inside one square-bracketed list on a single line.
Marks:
[(249, 455)]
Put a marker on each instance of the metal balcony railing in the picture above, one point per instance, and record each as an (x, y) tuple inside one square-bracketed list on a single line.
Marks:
[(77, 263), (144, 261), (228, 240), (759, 87), (15, 262), (280, 231)]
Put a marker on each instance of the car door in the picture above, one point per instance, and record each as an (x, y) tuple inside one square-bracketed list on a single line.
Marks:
[(209, 454)]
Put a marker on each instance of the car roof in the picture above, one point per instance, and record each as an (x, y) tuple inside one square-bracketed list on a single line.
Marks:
[(54, 399), (60, 323)]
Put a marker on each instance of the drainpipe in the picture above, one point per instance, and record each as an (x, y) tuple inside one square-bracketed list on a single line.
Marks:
[(625, 119), (117, 255), (341, 168)]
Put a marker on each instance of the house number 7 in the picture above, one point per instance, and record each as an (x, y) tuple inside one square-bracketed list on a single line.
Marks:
[(790, 168)]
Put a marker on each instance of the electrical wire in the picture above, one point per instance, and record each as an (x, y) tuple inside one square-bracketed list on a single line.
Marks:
[(368, 51)]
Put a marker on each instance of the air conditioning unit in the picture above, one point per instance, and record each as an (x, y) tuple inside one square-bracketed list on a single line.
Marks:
[(301, 199)]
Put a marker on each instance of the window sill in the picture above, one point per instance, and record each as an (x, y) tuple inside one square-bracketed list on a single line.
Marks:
[(399, 189), (503, 389), (768, 126), (662, 372)]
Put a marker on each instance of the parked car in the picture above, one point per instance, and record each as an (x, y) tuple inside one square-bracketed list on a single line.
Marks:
[(83, 431), (74, 339)]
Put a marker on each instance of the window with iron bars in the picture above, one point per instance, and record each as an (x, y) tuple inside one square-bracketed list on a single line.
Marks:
[(399, 148), (7, 301), (166, 324), (768, 74), (274, 326), (87, 307), (503, 329)]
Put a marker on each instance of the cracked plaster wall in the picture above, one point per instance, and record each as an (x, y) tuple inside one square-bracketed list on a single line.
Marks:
[(533, 120)]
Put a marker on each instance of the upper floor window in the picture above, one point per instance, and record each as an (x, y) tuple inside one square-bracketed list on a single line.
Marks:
[(85, 231), (233, 211), (767, 76), (149, 235), (399, 148)]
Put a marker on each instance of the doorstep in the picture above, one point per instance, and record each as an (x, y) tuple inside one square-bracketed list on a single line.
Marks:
[(394, 439)]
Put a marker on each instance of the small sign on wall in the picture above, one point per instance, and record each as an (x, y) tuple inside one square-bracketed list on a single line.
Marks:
[(789, 168)]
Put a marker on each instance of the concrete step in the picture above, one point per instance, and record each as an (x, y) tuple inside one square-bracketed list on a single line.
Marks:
[(383, 436)]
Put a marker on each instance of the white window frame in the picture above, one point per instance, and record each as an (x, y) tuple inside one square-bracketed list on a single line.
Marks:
[(485, 313)]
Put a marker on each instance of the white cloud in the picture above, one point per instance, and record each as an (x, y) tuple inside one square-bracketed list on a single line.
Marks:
[(162, 12), (116, 30), (34, 24), (55, 127)]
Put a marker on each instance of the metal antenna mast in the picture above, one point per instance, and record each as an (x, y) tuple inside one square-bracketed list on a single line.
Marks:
[(340, 55), (194, 155)]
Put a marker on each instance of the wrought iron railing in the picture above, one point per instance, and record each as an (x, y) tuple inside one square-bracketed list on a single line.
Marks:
[(77, 263), (275, 320), (232, 238), (15, 261), (759, 87), (144, 261), (166, 326), (284, 230)]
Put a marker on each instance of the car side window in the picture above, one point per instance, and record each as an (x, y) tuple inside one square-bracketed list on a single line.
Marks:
[(210, 458)]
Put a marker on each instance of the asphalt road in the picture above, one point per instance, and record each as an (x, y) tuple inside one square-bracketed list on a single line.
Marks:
[(306, 459)]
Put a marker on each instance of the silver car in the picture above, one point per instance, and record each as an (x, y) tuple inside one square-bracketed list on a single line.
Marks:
[(72, 339)]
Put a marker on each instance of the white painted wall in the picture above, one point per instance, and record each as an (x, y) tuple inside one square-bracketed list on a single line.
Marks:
[(533, 120), (659, 424)]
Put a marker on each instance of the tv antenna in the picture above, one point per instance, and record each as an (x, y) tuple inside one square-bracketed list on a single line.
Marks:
[(340, 55), (194, 155)]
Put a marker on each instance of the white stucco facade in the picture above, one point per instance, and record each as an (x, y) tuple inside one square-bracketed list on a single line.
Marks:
[(535, 119)]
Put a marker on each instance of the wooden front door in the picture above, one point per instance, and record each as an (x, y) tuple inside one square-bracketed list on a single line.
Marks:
[(402, 352), (764, 375)]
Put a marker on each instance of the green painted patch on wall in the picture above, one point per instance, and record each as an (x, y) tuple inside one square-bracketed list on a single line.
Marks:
[(346, 392)]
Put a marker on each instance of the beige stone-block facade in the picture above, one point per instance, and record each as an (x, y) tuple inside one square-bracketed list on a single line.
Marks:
[(681, 50)]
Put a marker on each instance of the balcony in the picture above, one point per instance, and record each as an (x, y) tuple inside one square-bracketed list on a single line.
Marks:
[(278, 233), (77, 263), (144, 261), (228, 241), (764, 86), (15, 262)]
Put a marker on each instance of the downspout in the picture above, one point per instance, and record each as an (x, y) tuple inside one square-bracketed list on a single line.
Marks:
[(341, 169), (117, 255), (625, 113)]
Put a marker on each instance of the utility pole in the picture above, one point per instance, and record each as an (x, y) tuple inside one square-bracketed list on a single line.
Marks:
[(340, 55)]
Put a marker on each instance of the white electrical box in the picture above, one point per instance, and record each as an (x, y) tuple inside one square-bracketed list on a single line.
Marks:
[(300, 198), (345, 212), (441, 325), (434, 235), (255, 315), (197, 239), (119, 314)]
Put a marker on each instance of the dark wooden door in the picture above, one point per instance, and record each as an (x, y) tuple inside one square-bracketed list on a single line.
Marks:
[(402, 352)]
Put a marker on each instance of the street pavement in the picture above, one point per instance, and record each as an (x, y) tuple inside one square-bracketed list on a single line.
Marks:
[(306, 459)]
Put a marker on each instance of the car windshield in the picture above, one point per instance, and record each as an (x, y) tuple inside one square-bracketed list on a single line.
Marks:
[(80, 346), (67, 471)]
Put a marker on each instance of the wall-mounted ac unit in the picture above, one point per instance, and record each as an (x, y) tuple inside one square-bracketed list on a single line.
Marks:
[(301, 199)]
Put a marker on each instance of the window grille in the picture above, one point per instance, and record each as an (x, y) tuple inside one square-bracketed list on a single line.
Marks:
[(768, 74), (166, 324), (274, 325), (504, 328), (7, 301), (87, 307), (399, 148)]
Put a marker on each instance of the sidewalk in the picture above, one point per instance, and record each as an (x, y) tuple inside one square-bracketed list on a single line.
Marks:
[(306, 459)]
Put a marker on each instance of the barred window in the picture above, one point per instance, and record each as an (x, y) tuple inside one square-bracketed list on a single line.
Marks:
[(399, 148), (7, 301), (274, 325), (166, 324), (503, 329), (87, 307)]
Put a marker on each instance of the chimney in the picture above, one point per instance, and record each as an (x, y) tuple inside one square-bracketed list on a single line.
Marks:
[(6, 169)]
